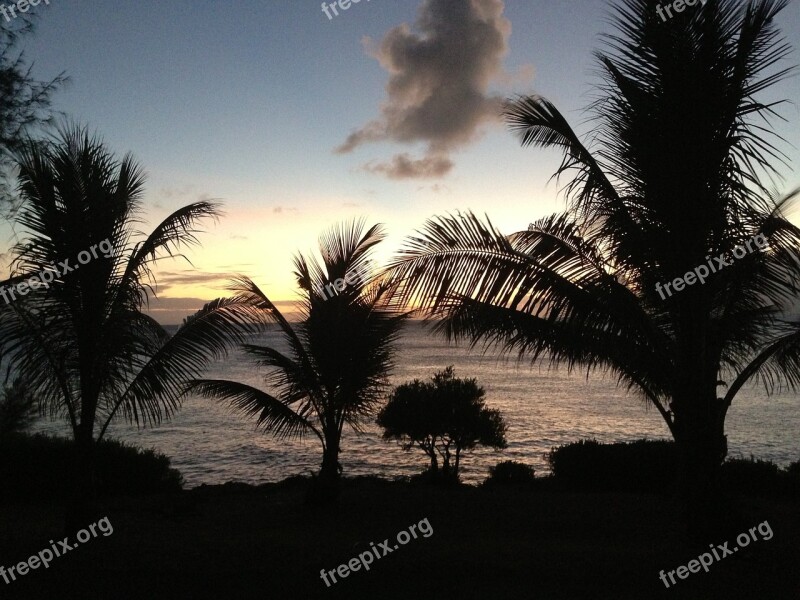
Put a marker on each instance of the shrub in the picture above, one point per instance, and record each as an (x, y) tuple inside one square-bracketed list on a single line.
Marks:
[(640, 466), (752, 476), (651, 466), (40, 468), (510, 473), (793, 478), (440, 478), (126, 469)]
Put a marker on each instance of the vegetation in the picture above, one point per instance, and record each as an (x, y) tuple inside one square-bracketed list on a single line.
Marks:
[(39, 469), (650, 466), (510, 473), (24, 101), (640, 466), (334, 373), (755, 477), (499, 543), (675, 178), (678, 130), (87, 351), (444, 418), (17, 409)]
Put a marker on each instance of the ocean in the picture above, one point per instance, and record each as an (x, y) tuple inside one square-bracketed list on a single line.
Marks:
[(543, 406)]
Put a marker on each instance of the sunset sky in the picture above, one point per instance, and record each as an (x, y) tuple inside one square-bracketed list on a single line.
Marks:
[(296, 122)]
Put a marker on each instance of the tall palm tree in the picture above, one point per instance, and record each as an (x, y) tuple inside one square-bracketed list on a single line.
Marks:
[(339, 355), (672, 180), (82, 343)]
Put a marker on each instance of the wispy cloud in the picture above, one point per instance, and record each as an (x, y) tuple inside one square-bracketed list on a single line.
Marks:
[(402, 166), (168, 280), (281, 209), (179, 192), (187, 192), (436, 188), (438, 86), (172, 311)]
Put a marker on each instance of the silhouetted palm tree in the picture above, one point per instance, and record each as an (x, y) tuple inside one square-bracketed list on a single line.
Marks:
[(340, 353), (671, 181), (82, 344)]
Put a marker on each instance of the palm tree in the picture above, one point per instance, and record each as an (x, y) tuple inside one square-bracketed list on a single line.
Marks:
[(671, 181), (335, 370), (82, 343)]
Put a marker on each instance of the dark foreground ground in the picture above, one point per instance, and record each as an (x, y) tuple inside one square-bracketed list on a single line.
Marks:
[(242, 542)]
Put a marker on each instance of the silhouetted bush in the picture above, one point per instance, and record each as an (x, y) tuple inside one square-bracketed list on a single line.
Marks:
[(640, 466), (428, 477), (510, 473), (40, 468), (755, 477), (651, 466), (793, 478)]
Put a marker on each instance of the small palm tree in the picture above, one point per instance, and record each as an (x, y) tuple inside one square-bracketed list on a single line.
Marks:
[(335, 371), (672, 183), (86, 349)]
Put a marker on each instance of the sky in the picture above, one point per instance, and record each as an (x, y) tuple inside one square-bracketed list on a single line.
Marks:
[(297, 122)]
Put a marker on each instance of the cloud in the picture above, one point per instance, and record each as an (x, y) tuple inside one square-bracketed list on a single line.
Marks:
[(190, 276), (436, 188), (172, 311), (177, 192), (167, 280), (439, 76), (403, 166), (185, 192)]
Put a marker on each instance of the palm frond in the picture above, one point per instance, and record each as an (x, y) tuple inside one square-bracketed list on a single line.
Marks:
[(176, 231), (155, 391), (273, 415), (777, 364)]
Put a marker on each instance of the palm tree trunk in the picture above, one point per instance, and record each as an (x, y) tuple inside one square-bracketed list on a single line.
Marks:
[(325, 489), (702, 447), (81, 503), (330, 462)]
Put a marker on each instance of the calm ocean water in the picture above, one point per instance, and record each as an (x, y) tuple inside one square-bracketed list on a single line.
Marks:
[(543, 407)]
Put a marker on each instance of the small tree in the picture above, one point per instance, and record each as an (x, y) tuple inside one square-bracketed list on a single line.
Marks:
[(444, 417), (17, 408), (24, 101)]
